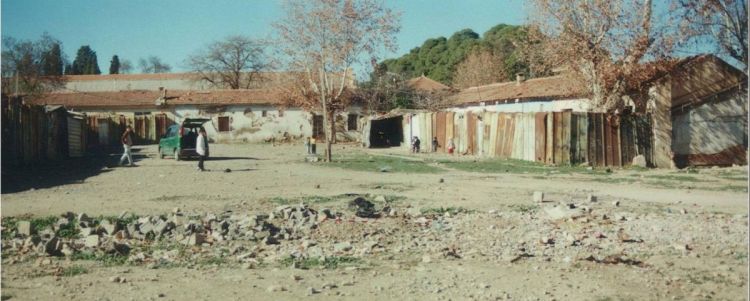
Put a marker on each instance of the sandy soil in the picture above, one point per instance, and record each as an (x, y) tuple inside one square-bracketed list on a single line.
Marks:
[(262, 172)]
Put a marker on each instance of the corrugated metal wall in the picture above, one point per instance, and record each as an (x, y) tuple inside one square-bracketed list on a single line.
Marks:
[(561, 138)]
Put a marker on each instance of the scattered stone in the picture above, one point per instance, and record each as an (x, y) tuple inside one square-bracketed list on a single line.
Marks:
[(114, 279), (441, 180), (616, 203), (538, 197), (195, 239), (23, 228), (312, 291), (426, 259), (591, 198), (275, 288), (342, 247), (414, 212), (92, 241), (363, 207)]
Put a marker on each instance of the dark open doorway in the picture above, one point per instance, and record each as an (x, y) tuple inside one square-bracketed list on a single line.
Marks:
[(386, 132)]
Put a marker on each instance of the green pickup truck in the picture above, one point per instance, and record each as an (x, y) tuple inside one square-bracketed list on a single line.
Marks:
[(179, 141)]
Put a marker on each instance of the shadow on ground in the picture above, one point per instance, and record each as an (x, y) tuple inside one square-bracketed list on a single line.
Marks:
[(63, 172)]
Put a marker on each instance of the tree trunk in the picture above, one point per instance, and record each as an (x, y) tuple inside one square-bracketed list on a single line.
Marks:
[(331, 137)]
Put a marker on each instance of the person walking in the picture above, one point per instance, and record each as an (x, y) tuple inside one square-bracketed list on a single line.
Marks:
[(127, 143), (201, 147)]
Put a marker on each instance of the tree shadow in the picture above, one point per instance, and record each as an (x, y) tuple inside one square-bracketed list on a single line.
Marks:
[(69, 171), (231, 158)]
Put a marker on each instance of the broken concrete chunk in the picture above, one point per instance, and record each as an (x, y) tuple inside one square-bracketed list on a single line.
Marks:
[(92, 241), (53, 246), (342, 247), (538, 197), (195, 239), (24, 228), (591, 198)]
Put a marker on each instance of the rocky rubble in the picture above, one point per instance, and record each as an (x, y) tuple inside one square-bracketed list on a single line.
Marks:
[(563, 233)]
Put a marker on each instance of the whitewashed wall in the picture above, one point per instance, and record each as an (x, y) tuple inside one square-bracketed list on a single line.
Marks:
[(577, 105)]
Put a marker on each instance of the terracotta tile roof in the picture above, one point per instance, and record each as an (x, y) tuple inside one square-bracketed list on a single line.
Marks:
[(554, 87), (144, 98), (424, 83)]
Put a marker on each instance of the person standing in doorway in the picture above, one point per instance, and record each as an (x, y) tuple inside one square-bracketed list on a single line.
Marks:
[(201, 147), (127, 143), (434, 144)]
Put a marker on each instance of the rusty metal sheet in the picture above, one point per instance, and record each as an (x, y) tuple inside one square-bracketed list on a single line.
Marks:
[(502, 128), (616, 143), (471, 137), (540, 136), (440, 130), (583, 143), (557, 158), (492, 120), (565, 138), (449, 127)]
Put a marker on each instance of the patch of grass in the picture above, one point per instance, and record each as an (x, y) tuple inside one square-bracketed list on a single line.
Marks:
[(524, 208), (212, 260), (9, 225), (104, 259), (613, 180), (374, 163), (329, 263), (515, 166), (73, 271), (42, 223), (398, 187), (442, 211), (679, 178)]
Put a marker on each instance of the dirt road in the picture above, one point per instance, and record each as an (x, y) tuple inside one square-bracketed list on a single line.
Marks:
[(706, 210)]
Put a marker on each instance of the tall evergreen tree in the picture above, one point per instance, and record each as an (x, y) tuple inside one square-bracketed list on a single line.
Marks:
[(85, 62), (114, 65), (52, 61)]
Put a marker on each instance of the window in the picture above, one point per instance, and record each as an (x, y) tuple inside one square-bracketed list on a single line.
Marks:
[(264, 113), (223, 124), (281, 113), (352, 122), (318, 130)]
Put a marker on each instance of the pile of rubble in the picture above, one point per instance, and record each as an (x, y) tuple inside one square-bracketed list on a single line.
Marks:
[(588, 229), (249, 237)]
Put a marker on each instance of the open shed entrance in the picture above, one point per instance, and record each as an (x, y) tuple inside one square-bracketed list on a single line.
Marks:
[(387, 132)]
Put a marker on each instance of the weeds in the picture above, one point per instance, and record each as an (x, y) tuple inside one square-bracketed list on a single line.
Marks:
[(523, 208), (73, 271), (104, 259), (442, 211), (362, 162), (330, 263)]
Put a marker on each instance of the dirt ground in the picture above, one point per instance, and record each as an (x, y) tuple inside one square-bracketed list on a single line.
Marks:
[(690, 229)]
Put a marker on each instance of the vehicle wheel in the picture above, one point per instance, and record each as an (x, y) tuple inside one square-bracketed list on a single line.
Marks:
[(161, 155), (177, 155)]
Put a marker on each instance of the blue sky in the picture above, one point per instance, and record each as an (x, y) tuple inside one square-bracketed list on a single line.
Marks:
[(172, 29)]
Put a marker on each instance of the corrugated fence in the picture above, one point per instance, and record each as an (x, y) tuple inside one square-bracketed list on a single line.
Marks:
[(561, 138)]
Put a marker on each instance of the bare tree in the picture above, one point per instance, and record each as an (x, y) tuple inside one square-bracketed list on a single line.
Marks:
[(480, 67), (722, 23), (126, 67), (234, 62), (605, 43), (153, 64), (323, 39), (24, 66)]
